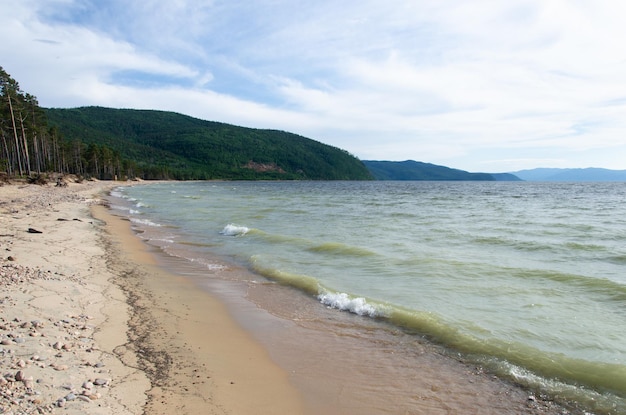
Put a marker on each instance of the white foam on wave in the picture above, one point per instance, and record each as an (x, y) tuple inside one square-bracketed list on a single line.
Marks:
[(212, 266), (144, 222), (234, 230), (117, 193), (344, 302)]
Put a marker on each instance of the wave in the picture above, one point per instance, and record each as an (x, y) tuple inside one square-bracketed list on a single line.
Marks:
[(356, 305), (145, 222), (117, 193), (535, 245), (197, 244), (308, 284), (618, 259), (234, 230), (603, 384), (336, 248), (609, 289), (598, 385), (587, 247)]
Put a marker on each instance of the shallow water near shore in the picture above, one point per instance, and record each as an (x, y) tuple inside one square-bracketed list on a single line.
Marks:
[(524, 279)]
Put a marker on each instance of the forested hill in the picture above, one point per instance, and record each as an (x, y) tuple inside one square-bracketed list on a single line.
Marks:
[(415, 170), (158, 144)]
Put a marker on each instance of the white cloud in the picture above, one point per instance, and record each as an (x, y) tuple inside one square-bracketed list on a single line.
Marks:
[(462, 84)]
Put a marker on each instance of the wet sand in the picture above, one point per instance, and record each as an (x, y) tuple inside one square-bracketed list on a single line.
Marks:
[(150, 333), (197, 358)]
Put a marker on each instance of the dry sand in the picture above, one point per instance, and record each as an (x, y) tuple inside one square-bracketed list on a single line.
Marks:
[(61, 318)]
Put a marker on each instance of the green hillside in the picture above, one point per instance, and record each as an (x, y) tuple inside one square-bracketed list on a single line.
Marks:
[(415, 170), (162, 144)]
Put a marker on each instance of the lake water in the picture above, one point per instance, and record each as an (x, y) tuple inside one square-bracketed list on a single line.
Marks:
[(526, 279)]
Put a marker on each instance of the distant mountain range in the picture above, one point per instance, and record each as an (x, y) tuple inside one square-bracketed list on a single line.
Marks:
[(571, 175), (415, 170)]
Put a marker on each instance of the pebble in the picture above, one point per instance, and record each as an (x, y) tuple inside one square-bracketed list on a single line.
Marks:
[(28, 382), (101, 382)]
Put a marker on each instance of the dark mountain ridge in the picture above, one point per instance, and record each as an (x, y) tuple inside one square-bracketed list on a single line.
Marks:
[(167, 144)]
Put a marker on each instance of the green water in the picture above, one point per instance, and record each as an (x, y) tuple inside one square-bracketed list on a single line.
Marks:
[(526, 278)]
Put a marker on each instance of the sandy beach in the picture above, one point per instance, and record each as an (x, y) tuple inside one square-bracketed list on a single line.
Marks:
[(90, 322), (82, 330)]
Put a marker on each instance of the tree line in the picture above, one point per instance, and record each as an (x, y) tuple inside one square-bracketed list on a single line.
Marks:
[(31, 147)]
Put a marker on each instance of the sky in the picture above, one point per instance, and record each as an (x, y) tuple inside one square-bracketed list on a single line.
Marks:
[(478, 85)]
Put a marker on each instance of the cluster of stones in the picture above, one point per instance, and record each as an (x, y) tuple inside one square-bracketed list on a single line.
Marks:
[(11, 273), (20, 391), (32, 352)]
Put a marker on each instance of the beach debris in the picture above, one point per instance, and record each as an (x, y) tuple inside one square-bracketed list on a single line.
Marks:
[(39, 179), (61, 182), (33, 230)]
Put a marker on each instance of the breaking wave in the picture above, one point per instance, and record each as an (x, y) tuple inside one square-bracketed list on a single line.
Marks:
[(356, 305), (234, 230)]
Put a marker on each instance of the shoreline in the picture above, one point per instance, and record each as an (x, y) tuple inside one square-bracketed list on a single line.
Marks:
[(197, 358), (89, 324), (340, 362), (142, 339)]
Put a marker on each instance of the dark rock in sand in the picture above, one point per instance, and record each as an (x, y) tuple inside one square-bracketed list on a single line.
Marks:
[(32, 230)]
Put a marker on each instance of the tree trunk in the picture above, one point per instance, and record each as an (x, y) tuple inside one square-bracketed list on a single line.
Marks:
[(6, 150), (17, 141), (25, 144)]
